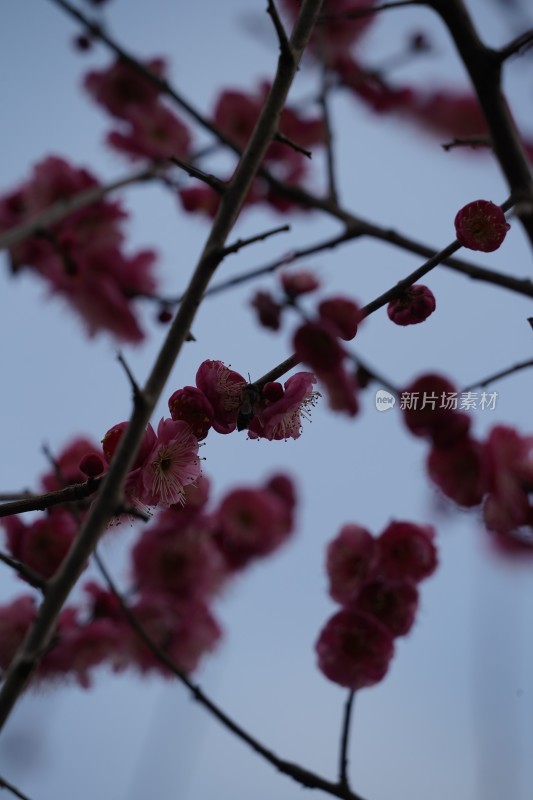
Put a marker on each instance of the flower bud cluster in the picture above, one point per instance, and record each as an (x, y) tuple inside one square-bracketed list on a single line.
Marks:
[(375, 581)]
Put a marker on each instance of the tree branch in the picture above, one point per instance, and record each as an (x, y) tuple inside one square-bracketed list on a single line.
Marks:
[(109, 498)]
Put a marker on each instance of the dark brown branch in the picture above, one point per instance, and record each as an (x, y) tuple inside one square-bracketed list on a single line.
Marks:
[(211, 180), (109, 497), (496, 376), (521, 43), (345, 736), (484, 67), (259, 237), (13, 789), (70, 494), (284, 45), (280, 137), (135, 388), (33, 577), (365, 11), (468, 141)]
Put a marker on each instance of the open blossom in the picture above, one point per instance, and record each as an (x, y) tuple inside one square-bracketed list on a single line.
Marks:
[(281, 417), (172, 465), (178, 559), (412, 306), (67, 465), (252, 523), (481, 225), (185, 630), (158, 134), (43, 543), (354, 649), (223, 387), (120, 88)]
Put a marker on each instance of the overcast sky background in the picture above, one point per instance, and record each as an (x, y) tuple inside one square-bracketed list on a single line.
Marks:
[(454, 717)]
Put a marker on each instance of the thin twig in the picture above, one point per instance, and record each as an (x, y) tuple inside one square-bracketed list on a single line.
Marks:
[(39, 502), (496, 376), (13, 789), (366, 11), (259, 237), (211, 180), (467, 141), (522, 42), (284, 44), (26, 572), (136, 389), (345, 736), (323, 99), (280, 137)]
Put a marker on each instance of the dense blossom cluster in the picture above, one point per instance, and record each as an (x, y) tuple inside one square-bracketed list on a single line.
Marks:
[(80, 258), (181, 562), (496, 473), (375, 581), (223, 400)]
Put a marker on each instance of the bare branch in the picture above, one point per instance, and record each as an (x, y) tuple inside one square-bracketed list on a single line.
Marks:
[(33, 577), (109, 497), (343, 765), (211, 180), (365, 11), (496, 376), (294, 771), (284, 44), (280, 137), (39, 502), (13, 789), (484, 67), (468, 141), (240, 243), (135, 388), (517, 46)]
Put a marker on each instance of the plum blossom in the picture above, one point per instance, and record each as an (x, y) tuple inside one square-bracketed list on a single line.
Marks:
[(481, 225), (281, 416), (223, 387), (412, 306), (172, 465)]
